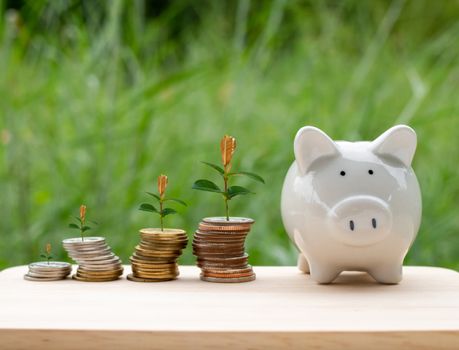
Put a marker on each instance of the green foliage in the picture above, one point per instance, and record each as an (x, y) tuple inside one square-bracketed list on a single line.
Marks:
[(93, 96), (161, 199), (81, 226)]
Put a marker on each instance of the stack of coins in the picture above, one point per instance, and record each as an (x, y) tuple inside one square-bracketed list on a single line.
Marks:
[(48, 271), (219, 247), (95, 259), (155, 258)]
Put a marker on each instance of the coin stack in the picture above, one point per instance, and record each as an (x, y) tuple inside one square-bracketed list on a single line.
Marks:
[(48, 271), (95, 259), (155, 257), (218, 245)]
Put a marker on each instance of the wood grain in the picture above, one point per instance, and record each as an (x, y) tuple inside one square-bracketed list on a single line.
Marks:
[(281, 308)]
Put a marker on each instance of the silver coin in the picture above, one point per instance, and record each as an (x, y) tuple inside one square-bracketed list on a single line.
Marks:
[(46, 275), (51, 265), (228, 280), (42, 279), (101, 267), (233, 220), (84, 241)]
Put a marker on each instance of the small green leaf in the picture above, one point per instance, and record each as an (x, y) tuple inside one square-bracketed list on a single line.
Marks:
[(216, 167), (43, 256), (148, 207), (175, 200), (49, 257), (168, 211), (154, 195), (79, 220), (251, 175), (74, 226), (206, 185), (85, 228), (234, 191)]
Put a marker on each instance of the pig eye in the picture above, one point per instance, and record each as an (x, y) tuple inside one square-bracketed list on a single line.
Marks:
[(370, 172), (342, 173)]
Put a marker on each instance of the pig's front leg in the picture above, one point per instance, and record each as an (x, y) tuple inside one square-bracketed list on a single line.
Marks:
[(387, 274), (323, 273), (303, 265)]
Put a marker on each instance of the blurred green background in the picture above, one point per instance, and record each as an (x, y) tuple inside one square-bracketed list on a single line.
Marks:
[(99, 97)]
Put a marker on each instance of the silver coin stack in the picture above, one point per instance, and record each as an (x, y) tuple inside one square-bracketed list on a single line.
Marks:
[(95, 259), (48, 271)]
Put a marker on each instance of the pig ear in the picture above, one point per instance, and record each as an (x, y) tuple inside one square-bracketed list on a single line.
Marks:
[(398, 142), (311, 144)]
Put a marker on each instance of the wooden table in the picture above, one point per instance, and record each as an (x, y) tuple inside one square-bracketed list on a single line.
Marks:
[(281, 308)]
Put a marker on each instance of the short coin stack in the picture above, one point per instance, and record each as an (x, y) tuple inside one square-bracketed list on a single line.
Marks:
[(48, 271), (155, 258), (95, 259), (219, 246)]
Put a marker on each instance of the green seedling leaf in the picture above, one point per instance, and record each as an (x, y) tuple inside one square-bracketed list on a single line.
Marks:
[(214, 166), (85, 228), (234, 191), (74, 226), (154, 195), (148, 207), (250, 175), (176, 200), (43, 256), (206, 185), (168, 211), (79, 220)]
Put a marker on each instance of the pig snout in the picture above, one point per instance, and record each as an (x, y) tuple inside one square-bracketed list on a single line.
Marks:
[(360, 220)]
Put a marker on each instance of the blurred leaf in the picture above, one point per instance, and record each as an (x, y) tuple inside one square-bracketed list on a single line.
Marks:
[(148, 207), (176, 200), (250, 175), (234, 191), (168, 211), (206, 185), (216, 167), (85, 228), (74, 226), (154, 195)]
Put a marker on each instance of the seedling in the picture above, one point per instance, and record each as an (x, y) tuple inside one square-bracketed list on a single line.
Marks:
[(47, 254), (227, 148), (81, 222), (161, 199)]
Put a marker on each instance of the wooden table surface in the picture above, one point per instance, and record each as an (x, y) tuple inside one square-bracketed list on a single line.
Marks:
[(281, 308)]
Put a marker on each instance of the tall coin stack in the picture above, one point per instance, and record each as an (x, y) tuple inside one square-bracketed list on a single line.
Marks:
[(95, 259), (155, 257), (48, 271), (218, 245)]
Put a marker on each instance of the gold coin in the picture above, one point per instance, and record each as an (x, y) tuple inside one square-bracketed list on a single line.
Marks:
[(133, 278), (84, 279)]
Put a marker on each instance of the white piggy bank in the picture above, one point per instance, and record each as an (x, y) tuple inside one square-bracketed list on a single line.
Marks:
[(352, 205)]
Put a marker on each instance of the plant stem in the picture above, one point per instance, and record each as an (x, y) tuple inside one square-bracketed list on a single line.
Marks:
[(161, 214), (225, 180)]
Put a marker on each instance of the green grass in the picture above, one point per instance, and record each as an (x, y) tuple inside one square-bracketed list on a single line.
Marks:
[(95, 104)]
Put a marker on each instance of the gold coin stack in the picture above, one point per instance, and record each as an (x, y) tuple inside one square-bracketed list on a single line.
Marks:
[(218, 245), (48, 271), (95, 259), (155, 258)]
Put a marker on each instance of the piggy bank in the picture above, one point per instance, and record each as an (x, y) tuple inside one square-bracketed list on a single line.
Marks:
[(352, 205)]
